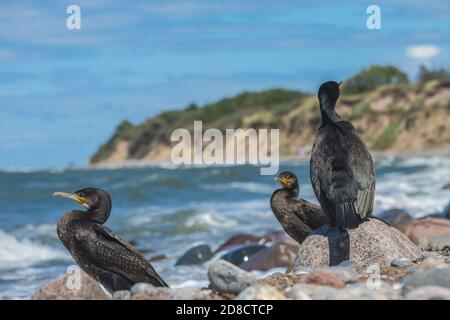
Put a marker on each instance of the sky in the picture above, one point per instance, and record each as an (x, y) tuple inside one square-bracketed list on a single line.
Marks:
[(63, 92)]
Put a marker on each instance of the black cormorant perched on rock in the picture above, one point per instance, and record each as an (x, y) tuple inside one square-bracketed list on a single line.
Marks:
[(298, 217), (342, 172), (98, 251)]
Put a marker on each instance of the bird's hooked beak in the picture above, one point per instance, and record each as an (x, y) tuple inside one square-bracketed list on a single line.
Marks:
[(340, 84), (73, 196)]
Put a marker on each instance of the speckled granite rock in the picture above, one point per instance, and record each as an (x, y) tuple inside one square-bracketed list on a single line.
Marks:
[(64, 289), (373, 242)]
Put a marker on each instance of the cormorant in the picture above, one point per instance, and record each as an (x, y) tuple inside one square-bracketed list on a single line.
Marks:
[(298, 217), (342, 172), (97, 250)]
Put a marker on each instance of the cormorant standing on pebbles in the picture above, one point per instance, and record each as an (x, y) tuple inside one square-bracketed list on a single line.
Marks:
[(342, 172), (298, 217), (98, 251)]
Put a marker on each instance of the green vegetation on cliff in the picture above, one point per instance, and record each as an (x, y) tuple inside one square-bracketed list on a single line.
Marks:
[(390, 113)]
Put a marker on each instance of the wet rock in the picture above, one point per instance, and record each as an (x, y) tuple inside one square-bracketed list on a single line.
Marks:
[(157, 258), (401, 263), (77, 286), (261, 292), (345, 274), (242, 254), (195, 255), (435, 243), (121, 295), (398, 218), (227, 278), (422, 229), (430, 277), (429, 293), (323, 278), (373, 242), (446, 187), (280, 254), (244, 238)]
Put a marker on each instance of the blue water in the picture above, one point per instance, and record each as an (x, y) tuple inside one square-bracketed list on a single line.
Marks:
[(167, 210)]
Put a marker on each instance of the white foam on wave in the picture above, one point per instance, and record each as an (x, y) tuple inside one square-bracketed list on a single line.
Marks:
[(419, 192), (16, 253)]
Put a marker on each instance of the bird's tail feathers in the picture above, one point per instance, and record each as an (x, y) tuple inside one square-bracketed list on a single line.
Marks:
[(347, 216)]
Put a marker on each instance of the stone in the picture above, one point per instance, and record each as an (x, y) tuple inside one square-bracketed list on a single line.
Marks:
[(401, 263), (435, 243), (323, 278), (345, 274), (192, 294), (195, 255), (58, 289), (121, 295), (142, 287), (432, 262), (359, 291), (397, 218), (430, 277), (242, 254), (280, 254), (228, 278), (373, 242), (446, 186), (245, 238), (261, 292), (304, 291), (429, 293), (421, 229)]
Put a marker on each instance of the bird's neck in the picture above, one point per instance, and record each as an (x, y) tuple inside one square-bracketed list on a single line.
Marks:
[(328, 112), (99, 216), (94, 216), (292, 192)]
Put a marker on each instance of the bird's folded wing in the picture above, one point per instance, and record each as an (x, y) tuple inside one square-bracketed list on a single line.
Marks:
[(114, 254)]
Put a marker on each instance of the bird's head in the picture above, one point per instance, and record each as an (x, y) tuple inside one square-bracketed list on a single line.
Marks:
[(90, 198), (288, 180), (328, 94)]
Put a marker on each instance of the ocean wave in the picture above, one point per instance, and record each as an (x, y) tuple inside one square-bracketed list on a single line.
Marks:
[(16, 253)]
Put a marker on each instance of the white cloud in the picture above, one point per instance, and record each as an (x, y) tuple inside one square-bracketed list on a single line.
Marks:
[(422, 52)]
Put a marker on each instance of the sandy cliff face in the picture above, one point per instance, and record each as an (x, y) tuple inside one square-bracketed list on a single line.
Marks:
[(394, 119)]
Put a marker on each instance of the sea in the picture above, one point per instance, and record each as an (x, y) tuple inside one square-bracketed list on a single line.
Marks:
[(165, 210)]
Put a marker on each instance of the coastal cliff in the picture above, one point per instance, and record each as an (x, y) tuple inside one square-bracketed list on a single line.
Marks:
[(401, 118)]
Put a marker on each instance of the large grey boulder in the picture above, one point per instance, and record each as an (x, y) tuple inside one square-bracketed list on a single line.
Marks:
[(373, 242), (225, 277)]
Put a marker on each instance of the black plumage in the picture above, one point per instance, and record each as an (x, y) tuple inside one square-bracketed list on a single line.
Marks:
[(97, 250), (298, 217), (342, 171)]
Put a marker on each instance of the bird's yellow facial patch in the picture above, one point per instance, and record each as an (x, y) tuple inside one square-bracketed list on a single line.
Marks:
[(81, 200), (285, 181)]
